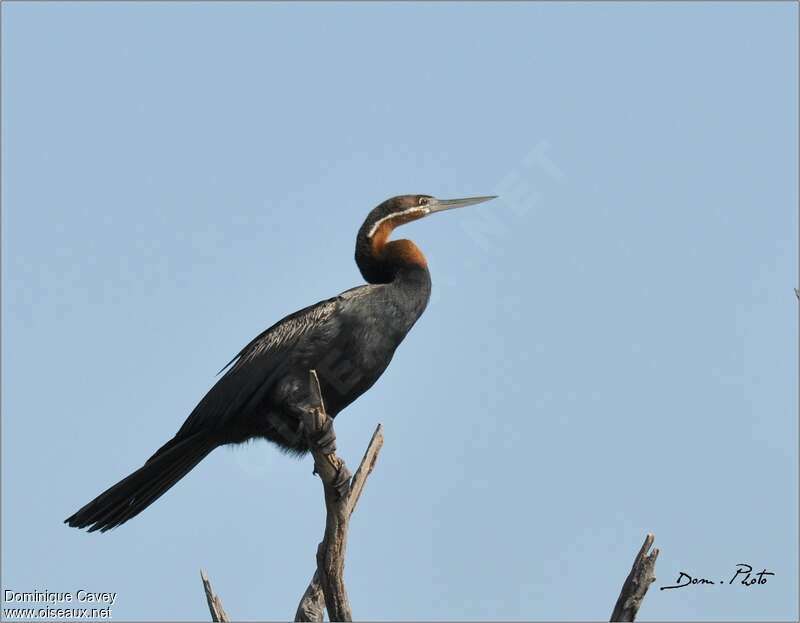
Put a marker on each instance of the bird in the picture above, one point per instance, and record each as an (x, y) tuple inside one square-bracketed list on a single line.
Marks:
[(349, 340)]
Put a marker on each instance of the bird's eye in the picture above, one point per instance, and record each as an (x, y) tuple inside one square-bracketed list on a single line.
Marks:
[(423, 201)]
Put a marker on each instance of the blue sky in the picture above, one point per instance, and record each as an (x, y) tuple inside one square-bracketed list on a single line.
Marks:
[(610, 348)]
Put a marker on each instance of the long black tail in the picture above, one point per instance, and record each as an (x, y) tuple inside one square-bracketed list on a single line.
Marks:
[(132, 495)]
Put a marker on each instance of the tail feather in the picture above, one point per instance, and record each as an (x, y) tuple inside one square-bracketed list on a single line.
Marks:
[(133, 494)]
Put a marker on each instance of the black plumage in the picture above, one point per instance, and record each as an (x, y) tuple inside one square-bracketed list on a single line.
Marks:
[(349, 340)]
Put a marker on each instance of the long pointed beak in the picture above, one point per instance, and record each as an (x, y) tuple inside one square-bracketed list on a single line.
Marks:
[(439, 205)]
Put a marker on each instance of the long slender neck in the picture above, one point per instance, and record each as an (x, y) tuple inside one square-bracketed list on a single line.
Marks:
[(384, 261), (397, 262)]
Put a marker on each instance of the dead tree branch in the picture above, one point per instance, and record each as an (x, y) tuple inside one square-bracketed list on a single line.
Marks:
[(341, 495), (636, 584), (326, 589), (312, 604), (214, 603)]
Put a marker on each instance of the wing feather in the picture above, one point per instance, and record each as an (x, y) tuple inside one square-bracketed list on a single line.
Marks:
[(254, 370)]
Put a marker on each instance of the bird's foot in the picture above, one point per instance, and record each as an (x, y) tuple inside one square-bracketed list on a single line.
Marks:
[(324, 439)]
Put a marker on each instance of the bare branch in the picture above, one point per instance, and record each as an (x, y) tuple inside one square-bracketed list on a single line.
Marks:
[(312, 604), (214, 603), (330, 553), (365, 468), (636, 584), (341, 496)]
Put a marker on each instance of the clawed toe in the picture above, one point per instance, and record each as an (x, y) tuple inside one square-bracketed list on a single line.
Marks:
[(325, 439)]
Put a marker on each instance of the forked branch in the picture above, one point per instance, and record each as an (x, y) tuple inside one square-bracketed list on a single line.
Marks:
[(341, 496), (327, 588)]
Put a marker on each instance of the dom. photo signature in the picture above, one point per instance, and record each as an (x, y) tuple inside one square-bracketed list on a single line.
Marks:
[(743, 575)]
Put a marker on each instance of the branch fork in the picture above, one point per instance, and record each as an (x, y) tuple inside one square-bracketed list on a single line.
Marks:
[(341, 496)]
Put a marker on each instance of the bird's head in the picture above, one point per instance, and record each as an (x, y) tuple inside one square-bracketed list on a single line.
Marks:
[(371, 245), (406, 208)]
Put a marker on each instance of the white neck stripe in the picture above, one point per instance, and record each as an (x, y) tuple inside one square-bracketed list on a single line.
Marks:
[(388, 217)]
